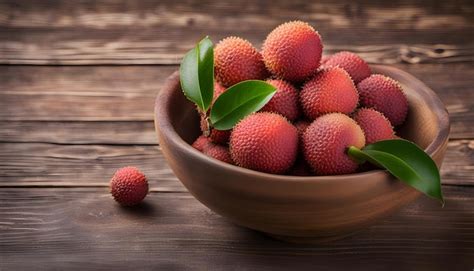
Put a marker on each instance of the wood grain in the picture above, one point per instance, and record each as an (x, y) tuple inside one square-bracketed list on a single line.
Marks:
[(453, 84), (40, 164), (79, 132), (64, 229), (147, 32), (107, 81), (85, 93)]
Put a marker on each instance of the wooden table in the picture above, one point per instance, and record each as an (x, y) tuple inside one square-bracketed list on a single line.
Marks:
[(77, 86)]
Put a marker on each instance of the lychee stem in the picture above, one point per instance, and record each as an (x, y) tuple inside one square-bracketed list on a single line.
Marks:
[(207, 124)]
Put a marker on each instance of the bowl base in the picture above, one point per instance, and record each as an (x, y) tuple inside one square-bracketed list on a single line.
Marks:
[(310, 239)]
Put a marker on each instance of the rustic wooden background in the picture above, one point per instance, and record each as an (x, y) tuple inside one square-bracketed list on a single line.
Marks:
[(77, 84)]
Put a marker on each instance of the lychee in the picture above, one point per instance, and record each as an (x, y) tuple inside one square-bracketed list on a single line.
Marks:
[(219, 136), (326, 141), (236, 60), (218, 152), (292, 51), (265, 142), (331, 90), (375, 125), (128, 186), (285, 101), (353, 64), (385, 95), (201, 142)]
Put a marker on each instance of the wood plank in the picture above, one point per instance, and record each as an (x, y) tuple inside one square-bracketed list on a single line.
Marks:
[(126, 93), (67, 228), (71, 108), (458, 166), (40, 164), (454, 85), (107, 81), (148, 32), (79, 132), (80, 93)]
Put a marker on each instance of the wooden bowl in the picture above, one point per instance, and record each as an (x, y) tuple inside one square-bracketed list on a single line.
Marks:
[(296, 209)]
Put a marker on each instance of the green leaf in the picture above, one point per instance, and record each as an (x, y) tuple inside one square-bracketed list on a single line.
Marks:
[(406, 161), (239, 101), (197, 74)]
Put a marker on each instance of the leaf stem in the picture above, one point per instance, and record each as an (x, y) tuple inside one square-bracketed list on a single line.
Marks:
[(356, 154)]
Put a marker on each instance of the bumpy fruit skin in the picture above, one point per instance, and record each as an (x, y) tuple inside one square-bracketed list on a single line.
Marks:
[(236, 60), (215, 136), (301, 126), (385, 95), (292, 51), (375, 125), (218, 90), (201, 142), (219, 137), (331, 90), (326, 141), (128, 186), (324, 59), (265, 142), (218, 152), (353, 64), (285, 101)]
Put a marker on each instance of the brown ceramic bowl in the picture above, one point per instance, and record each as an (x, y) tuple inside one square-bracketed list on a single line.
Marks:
[(298, 209)]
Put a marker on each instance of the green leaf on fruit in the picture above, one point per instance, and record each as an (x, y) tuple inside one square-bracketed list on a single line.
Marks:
[(239, 101), (406, 161), (197, 74)]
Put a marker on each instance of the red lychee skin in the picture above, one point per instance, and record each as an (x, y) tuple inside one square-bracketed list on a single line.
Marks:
[(218, 90), (128, 186), (219, 136), (384, 95), (218, 152), (326, 141), (215, 136), (375, 125), (201, 142), (236, 60), (331, 90), (324, 59), (292, 51), (353, 64), (301, 126), (285, 101), (265, 142)]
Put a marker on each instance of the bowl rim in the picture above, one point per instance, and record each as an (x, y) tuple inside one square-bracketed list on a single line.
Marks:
[(163, 126)]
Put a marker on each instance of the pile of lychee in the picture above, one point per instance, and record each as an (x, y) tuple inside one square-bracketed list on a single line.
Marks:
[(321, 107)]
